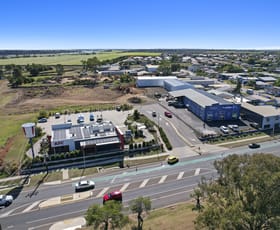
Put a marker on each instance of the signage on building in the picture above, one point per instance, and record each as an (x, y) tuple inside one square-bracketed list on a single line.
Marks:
[(58, 143)]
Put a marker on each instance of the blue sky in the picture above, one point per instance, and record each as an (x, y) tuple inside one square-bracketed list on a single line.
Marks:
[(145, 24)]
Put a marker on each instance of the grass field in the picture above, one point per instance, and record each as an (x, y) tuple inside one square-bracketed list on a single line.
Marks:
[(71, 59)]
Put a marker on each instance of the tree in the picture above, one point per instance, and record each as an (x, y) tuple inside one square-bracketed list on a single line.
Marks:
[(17, 78), (59, 69), (138, 206), (107, 215), (92, 63), (237, 89), (165, 68), (136, 115), (2, 75), (246, 194)]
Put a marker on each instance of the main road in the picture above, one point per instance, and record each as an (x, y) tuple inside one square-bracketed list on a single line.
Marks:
[(164, 184)]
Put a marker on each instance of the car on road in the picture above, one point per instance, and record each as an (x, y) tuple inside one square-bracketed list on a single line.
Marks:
[(172, 160), (6, 200), (154, 114), (224, 129), (43, 120), (84, 185), (254, 145), (116, 195), (168, 114)]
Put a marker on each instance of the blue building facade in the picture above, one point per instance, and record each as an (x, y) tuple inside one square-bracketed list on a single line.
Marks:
[(209, 107)]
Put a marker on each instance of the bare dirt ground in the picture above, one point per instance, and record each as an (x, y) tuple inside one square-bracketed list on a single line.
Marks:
[(33, 99)]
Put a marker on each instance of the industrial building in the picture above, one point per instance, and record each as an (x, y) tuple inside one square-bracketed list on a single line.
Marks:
[(91, 138), (175, 84), (266, 116), (152, 81), (206, 106)]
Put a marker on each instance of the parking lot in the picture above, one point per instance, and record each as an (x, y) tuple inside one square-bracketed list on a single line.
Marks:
[(116, 117)]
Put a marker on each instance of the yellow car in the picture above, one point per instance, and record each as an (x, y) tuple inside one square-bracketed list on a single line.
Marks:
[(172, 160)]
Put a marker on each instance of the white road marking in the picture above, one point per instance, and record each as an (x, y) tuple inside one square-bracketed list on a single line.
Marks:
[(144, 183), (124, 187), (197, 171), (162, 179), (102, 192), (181, 174), (113, 180), (31, 206)]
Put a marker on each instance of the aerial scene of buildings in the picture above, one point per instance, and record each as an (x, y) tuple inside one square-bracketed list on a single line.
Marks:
[(139, 115)]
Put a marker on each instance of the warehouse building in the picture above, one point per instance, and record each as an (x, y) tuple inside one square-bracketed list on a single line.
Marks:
[(92, 138), (152, 81), (266, 116), (175, 84), (206, 106)]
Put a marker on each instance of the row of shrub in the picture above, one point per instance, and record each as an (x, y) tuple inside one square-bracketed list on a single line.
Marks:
[(141, 145), (165, 139), (60, 156)]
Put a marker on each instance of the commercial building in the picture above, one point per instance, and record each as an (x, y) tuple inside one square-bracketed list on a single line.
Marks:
[(91, 138), (152, 81), (206, 106), (267, 116), (175, 84)]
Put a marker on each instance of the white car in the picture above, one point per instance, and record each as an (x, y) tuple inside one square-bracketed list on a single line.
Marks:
[(234, 128), (84, 185), (224, 129), (6, 200)]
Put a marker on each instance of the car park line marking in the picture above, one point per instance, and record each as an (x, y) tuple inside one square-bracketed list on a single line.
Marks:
[(144, 183), (181, 174), (197, 171), (101, 193), (124, 187), (162, 179), (31, 206)]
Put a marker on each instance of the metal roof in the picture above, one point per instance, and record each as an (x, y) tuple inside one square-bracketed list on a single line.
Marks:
[(200, 97), (263, 110)]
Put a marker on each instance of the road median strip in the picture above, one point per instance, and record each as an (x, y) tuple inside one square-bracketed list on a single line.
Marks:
[(65, 199)]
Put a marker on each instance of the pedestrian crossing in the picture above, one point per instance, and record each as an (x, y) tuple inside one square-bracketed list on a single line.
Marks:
[(98, 193)]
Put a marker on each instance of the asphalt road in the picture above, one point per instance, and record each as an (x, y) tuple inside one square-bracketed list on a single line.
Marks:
[(164, 184)]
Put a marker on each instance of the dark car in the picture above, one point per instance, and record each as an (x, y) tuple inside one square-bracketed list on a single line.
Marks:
[(254, 145), (42, 120), (116, 195), (154, 114)]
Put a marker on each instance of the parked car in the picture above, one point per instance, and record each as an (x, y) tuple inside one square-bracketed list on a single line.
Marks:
[(168, 114), (118, 108), (116, 195), (224, 129), (57, 115), (6, 200), (254, 145), (172, 160), (254, 125), (84, 185), (42, 120), (91, 117), (154, 114), (234, 128)]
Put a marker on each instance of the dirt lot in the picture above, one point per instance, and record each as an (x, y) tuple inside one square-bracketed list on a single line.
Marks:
[(26, 100)]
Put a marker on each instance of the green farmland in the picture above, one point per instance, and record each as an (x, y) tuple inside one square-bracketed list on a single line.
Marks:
[(71, 59)]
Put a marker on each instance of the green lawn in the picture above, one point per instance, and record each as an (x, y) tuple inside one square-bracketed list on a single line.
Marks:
[(10, 127), (71, 59)]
